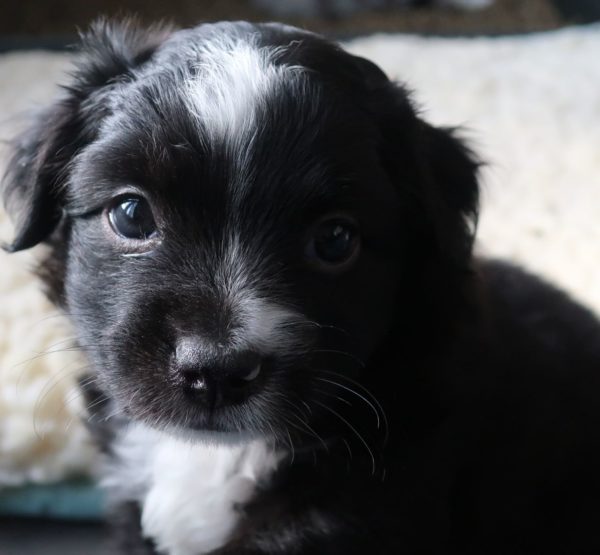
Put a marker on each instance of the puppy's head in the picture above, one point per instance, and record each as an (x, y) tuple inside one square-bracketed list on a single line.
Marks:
[(240, 216)]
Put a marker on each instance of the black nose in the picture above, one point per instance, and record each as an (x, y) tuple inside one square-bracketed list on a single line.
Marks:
[(220, 380)]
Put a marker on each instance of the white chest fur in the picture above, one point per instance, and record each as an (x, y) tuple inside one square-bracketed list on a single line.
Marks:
[(188, 491)]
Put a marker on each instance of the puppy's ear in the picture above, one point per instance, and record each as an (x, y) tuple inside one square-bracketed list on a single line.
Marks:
[(33, 185), (450, 172), (370, 74), (434, 170)]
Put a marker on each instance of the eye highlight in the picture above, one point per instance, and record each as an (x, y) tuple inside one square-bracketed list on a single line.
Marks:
[(334, 243), (131, 218)]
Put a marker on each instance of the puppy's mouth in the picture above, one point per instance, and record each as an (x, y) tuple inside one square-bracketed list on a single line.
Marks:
[(196, 412)]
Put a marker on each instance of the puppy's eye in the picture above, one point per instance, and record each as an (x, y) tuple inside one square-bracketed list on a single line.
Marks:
[(132, 218), (334, 242)]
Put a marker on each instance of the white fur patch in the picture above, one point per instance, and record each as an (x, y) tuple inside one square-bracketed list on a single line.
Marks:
[(266, 325), (234, 76), (188, 491)]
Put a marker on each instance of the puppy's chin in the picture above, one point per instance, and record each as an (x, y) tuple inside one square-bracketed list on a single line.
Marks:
[(225, 425), (200, 423), (214, 432), (211, 437)]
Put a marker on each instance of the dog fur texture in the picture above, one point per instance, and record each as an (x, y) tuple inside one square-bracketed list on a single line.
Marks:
[(413, 399)]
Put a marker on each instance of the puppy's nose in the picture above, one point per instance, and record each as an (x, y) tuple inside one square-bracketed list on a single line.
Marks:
[(220, 380)]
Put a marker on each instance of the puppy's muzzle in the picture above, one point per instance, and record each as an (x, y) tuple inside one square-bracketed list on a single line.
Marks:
[(216, 378)]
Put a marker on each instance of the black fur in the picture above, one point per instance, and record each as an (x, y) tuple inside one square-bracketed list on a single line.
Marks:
[(465, 415)]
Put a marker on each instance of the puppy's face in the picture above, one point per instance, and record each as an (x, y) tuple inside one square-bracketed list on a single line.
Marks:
[(232, 234)]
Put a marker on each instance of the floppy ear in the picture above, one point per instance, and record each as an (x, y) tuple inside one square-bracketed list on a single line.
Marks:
[(434, 171), (450, 171), (33, 185)]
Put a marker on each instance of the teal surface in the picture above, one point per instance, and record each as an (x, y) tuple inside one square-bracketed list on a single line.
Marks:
[(72, 500)]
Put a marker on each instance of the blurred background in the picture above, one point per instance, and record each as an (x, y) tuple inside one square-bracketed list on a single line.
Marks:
[(29, 22), (521, 76)]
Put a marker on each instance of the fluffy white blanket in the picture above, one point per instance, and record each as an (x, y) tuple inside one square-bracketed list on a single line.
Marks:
[(531, 107)]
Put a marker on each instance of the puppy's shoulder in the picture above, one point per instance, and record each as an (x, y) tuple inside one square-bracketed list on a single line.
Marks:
[(529, 312)]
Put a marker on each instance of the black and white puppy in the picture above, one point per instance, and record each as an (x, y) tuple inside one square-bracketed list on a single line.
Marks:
[(266, 255)]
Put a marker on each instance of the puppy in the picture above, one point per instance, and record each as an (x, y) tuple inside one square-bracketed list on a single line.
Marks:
[(267, 257)]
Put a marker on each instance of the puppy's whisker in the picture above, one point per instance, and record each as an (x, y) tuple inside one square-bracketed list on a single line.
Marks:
[(291, 444), (96, 403), (307, 427), (350, 390), (60, 314), (325, 326), (308, 409), (65, 373), (326, 393), (301, 431), (72, 349), (112, 414), (90, 380), (374, 399), (294, 406), (77, 393), (348, 448), (354, 430), (28, 362)]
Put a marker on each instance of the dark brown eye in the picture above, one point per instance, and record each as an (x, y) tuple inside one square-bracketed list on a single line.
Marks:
[(334, 242), (132, 218)]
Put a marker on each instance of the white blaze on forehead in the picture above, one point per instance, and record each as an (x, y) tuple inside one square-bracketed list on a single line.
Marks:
[(234, 78)]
